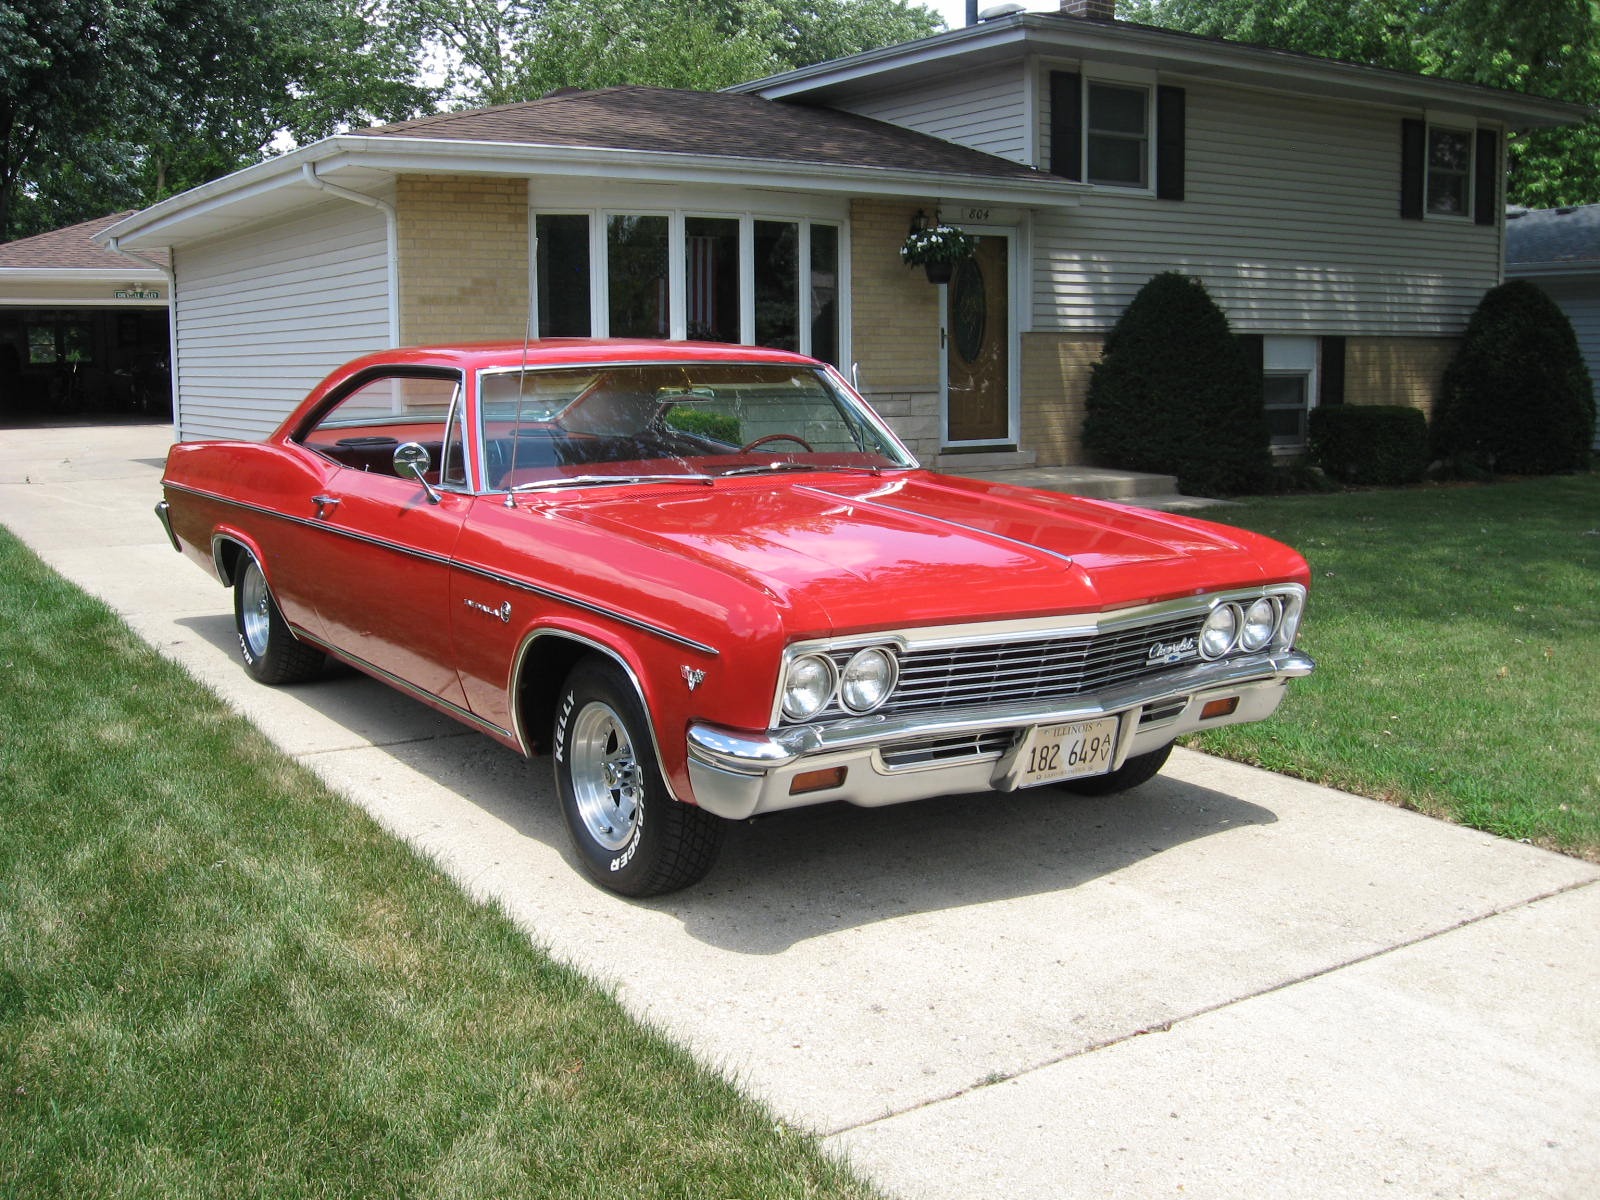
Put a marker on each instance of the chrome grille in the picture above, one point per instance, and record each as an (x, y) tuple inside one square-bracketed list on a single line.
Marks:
[(1036, 669), (955, 748)]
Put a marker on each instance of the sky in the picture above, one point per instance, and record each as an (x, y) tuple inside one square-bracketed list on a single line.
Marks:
[(954, 12)]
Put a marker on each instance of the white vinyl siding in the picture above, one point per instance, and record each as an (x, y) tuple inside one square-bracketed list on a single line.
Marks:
[(1580, 300), (1290, 219), (264, 315), (985, 110)]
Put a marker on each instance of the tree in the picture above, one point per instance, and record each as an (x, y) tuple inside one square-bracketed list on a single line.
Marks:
[(1550, 48), (108, 104), (1176, 394), (1517, 397), (501, 51)]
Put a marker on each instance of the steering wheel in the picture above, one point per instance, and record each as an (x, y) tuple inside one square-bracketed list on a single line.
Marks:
[(777, 437)]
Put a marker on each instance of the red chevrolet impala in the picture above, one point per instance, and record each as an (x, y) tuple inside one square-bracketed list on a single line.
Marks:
[(709, 582)]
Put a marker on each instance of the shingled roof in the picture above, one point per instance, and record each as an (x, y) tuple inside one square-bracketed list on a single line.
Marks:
[(1569, 236), (714, 124), (71, 248)]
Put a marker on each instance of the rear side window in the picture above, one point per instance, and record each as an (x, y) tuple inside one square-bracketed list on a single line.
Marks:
[(363, 430)]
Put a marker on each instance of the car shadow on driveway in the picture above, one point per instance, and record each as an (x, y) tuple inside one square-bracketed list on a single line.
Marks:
[(792, 876)]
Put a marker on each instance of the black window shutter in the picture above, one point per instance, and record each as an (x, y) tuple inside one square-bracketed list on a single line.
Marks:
[(1413, 158), (1169, 143), (1066, 124), (1331, 388), (1486, 190)]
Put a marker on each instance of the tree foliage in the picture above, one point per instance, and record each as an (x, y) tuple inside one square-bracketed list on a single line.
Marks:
[(1517, 397), (108, 104), (1550, 48), (112, 104), (501, 51), (1176, 394)]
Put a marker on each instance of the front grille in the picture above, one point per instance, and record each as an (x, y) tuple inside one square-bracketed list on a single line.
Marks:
[(955, 748), (1008, 673)]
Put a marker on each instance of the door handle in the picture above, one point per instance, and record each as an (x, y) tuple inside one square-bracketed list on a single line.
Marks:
[(324, 503)]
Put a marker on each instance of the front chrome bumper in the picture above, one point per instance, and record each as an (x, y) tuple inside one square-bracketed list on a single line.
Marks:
[(891, 761)]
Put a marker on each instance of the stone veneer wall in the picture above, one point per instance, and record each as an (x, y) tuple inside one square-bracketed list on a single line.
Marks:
[(1055, 382), (894, 326), (463, 258), (1396, 370)]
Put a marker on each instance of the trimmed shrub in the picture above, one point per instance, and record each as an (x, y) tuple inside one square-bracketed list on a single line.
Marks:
[(1517, 397), (1378, 444), (1176, 394)]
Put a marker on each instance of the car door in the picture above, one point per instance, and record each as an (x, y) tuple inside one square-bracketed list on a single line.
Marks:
[(382, 584)]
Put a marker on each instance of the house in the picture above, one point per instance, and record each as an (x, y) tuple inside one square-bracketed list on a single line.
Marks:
[(83, 329), (1559, 250), (1348, 217)]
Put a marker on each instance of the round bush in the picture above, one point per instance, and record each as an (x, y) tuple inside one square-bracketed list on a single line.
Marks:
[(1517, 397), (1175, 394), (1379, 444)]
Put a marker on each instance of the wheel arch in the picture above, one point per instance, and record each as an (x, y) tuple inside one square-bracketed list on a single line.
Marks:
[(544, 659), (228, 549)]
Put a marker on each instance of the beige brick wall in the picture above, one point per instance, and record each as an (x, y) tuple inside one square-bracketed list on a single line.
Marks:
[(894, 309), (1055, 380), (463, 258), (1396, 370)]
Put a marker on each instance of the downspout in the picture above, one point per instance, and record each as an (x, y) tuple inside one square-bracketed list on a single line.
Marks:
[(309, 172), (169, 272)]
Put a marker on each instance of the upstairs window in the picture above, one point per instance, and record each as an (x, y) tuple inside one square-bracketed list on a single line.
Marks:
[(1449, 171), (1122, 135), (1117, 135)]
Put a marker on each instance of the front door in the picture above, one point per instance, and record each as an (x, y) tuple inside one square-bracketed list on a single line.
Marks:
[(977, 340)]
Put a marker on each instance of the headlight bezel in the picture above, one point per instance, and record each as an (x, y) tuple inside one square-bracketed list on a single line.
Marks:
[(824, 695), (890, 676)]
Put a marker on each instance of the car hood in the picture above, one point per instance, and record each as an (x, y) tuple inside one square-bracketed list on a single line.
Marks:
[(866, 553)]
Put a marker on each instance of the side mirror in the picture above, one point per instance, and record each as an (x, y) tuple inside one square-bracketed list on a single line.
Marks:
[(412, 461)]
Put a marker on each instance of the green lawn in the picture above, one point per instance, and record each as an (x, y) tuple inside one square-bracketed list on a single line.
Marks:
[(217, 979), (1457, 636)]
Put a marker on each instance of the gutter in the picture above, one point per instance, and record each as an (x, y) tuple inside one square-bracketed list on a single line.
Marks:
[(308, 172)]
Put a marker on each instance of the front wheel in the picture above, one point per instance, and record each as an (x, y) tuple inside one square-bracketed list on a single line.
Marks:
[(631, 835), (1130, 774), (269, 648)]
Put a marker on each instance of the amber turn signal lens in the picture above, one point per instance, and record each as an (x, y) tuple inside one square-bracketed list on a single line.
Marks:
[(816, 781), (1219, 708)]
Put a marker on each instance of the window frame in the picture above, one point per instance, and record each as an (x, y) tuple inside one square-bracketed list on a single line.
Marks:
[(1146, 138), (1468, 173), (678, 216), (1292, 356)]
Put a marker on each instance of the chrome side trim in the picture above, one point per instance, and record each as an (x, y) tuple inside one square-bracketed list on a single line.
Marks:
[(466, 716), (468, 568)]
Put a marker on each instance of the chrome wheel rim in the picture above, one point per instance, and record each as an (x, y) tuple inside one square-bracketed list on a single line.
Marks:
[(255, 612), (607, 783)]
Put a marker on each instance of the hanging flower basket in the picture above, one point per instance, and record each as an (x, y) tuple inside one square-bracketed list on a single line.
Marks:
[(936, 249)]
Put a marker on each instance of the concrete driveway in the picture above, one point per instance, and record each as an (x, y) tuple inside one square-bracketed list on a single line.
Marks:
[(1224, 984)]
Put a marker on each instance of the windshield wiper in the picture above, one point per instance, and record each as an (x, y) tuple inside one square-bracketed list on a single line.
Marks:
[(788, 465), (567, 481)]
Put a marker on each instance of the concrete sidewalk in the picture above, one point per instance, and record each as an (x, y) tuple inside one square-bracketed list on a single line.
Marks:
[(1224, 984)]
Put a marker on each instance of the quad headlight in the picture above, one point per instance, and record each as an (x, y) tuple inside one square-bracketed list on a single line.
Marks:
[(1220, 630), (808, 686), (1260, 625), (814, 682), (867, 680)]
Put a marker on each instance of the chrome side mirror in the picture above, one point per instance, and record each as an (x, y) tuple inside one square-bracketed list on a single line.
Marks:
[(412, 461)]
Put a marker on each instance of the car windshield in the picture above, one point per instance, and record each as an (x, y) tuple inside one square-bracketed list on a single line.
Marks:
[(568, 426)]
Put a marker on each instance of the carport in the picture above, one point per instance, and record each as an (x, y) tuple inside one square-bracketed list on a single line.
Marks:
[(83, 330)]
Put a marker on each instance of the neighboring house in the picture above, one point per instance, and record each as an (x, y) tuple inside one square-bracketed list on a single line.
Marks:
[(1347, 216), (1559, 249), (82, 328)]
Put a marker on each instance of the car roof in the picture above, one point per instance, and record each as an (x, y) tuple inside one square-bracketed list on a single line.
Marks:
[(545, 352)]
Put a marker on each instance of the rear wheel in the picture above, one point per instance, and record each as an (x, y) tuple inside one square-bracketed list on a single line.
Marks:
[(269, 648), (1130, 774), (632, 836)]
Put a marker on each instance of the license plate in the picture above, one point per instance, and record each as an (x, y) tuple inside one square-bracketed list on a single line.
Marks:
[(1051, 753)]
